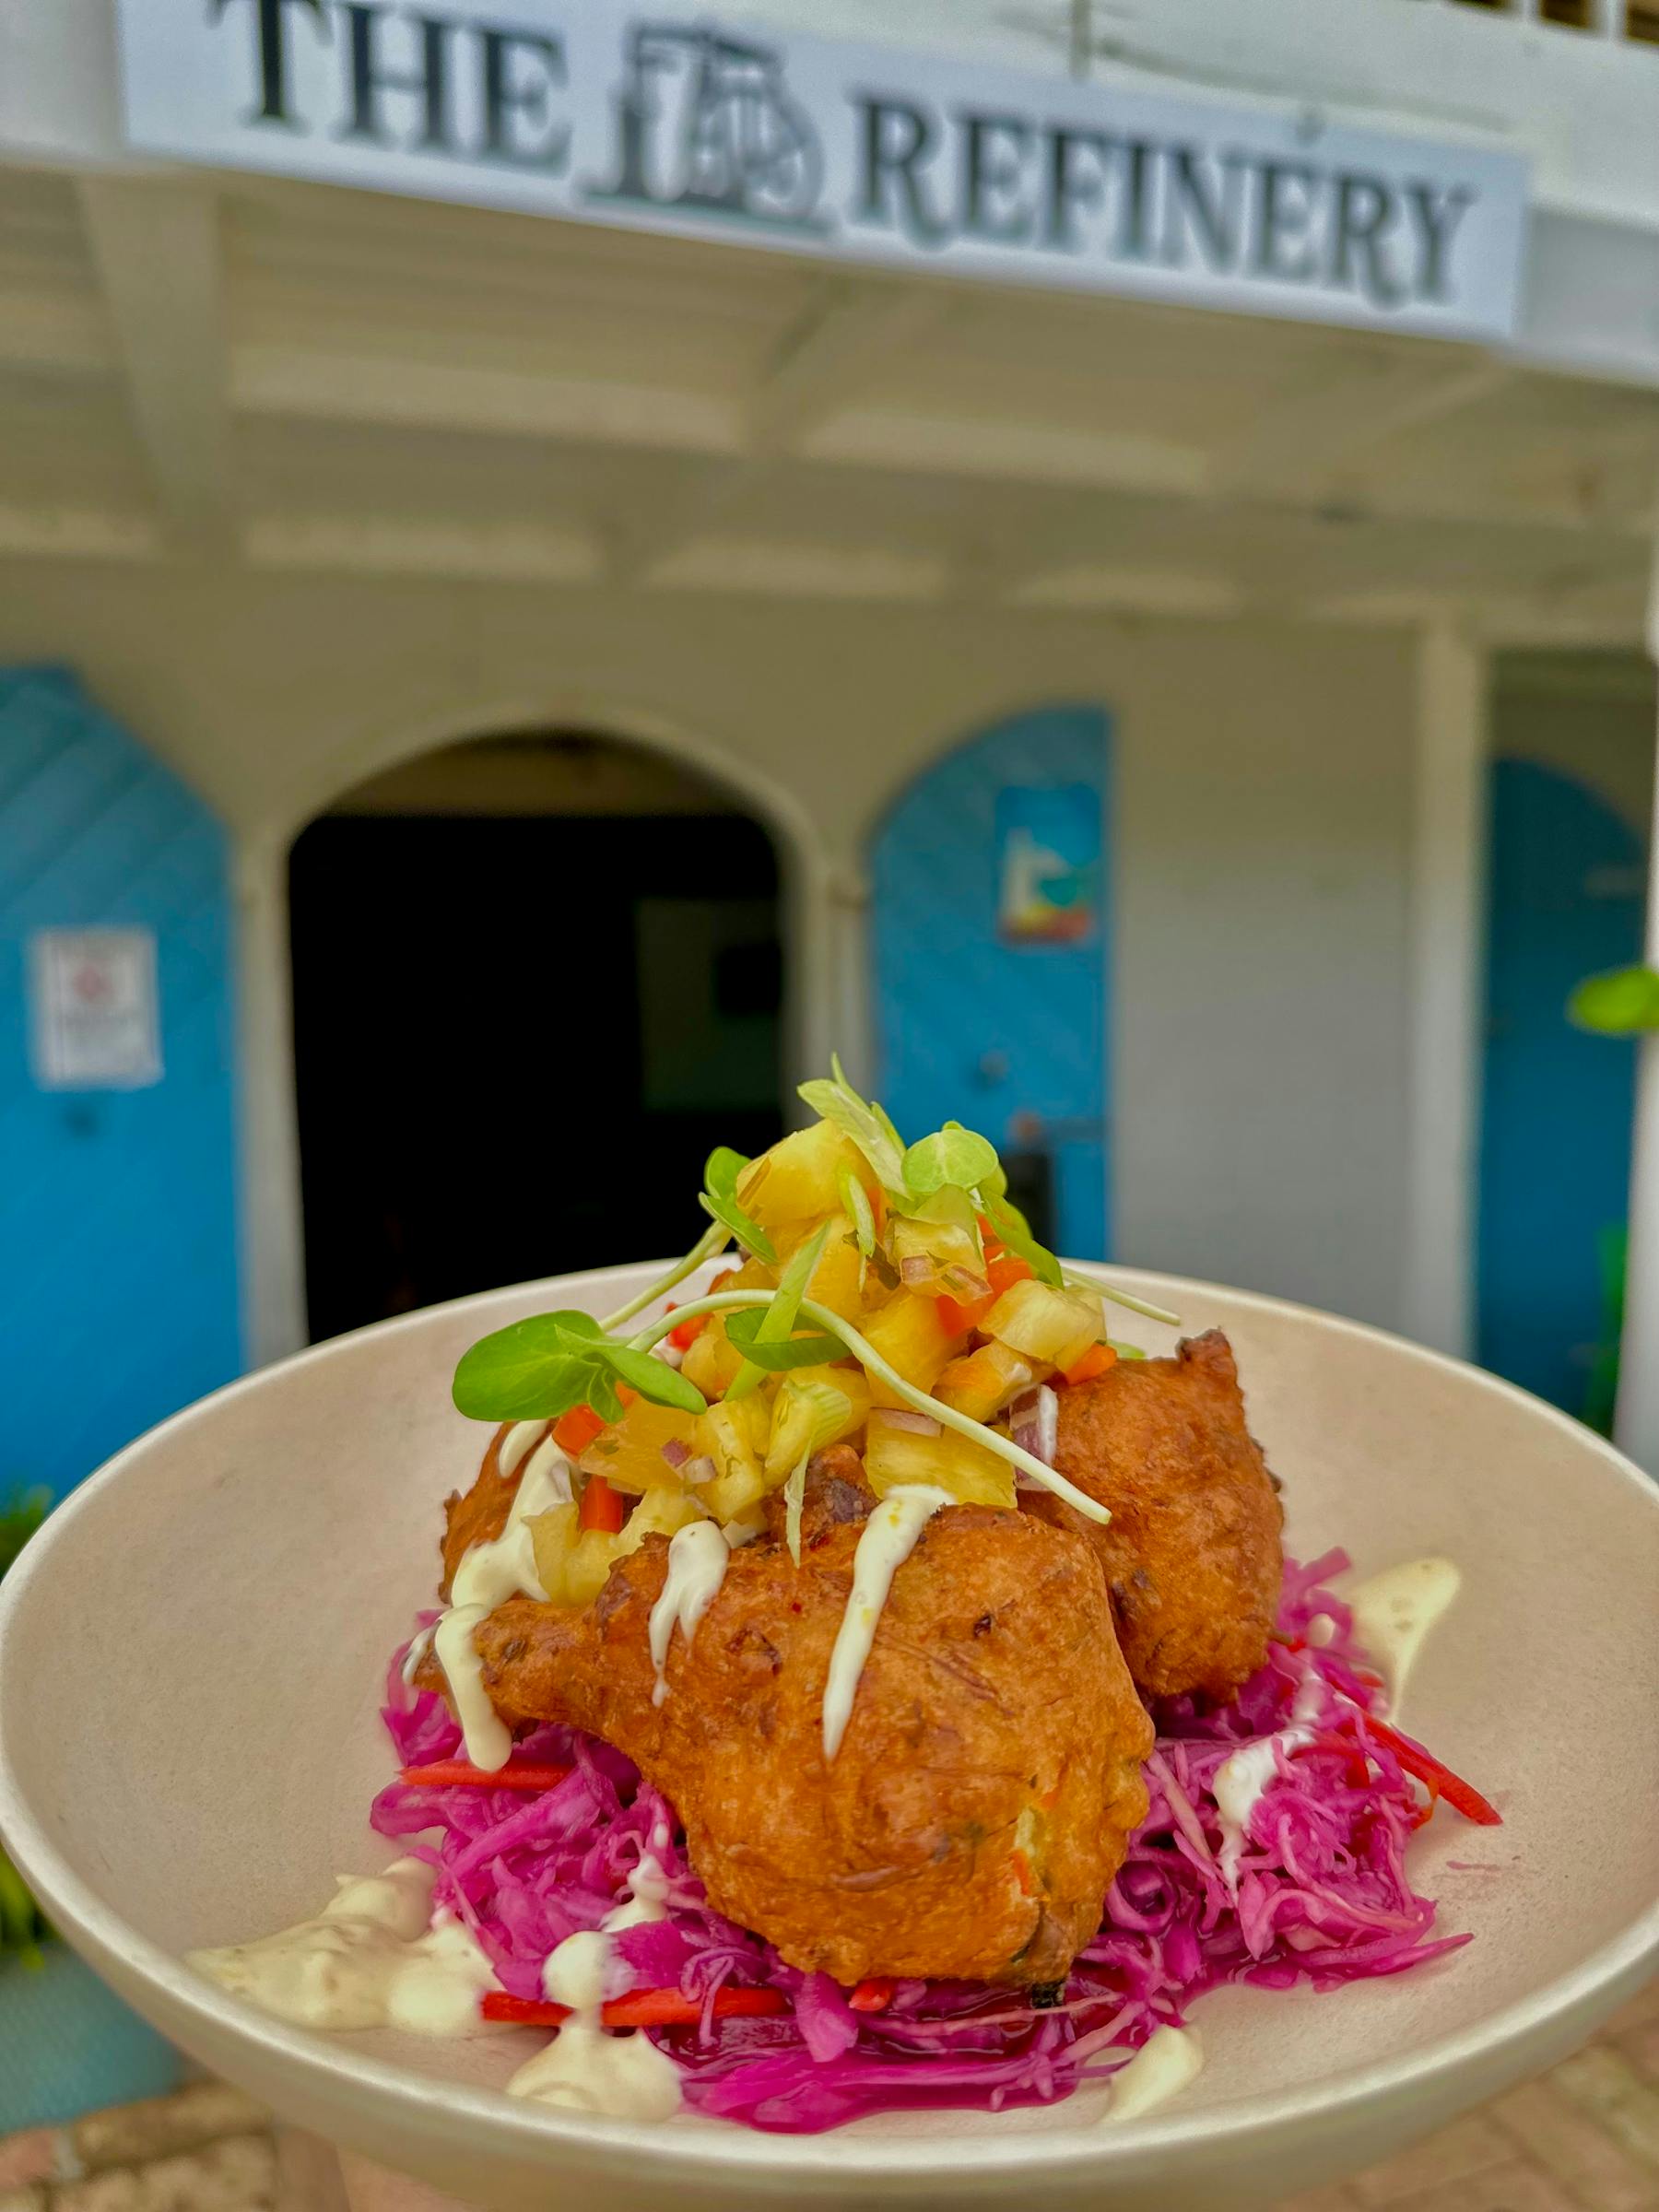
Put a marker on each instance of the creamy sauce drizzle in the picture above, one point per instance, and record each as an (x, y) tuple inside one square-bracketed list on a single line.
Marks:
[(696, 1565), (514, 1444), (368, 1959), (889, 1536), (1242, 1780), (1394, 1613), (585, 2068), (489, 1575), (1168, 2061)]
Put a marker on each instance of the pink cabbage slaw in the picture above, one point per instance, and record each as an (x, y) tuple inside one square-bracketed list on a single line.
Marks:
[(1323, 1896)]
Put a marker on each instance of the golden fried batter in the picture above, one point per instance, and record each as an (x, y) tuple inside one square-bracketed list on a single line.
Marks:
[(980, 1800), (1192, 1550)]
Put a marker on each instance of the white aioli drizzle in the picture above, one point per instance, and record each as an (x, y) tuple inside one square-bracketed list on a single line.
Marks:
[(584, 2068), (1242, 1779), (488, 1574), (889, 1536), (1168, 2061), (514, 1444), (1393, 1612), (368, 1959), (696, 1565)]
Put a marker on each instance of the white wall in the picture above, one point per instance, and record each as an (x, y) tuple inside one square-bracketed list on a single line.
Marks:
[(1263, 788)]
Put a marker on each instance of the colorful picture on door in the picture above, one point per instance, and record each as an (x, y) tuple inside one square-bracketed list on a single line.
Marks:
[(1048, 857)]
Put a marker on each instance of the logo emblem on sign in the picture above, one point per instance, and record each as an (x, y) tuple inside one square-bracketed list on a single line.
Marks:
[(704, 122)]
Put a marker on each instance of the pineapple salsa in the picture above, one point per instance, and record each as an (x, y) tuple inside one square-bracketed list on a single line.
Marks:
[(887, 1297)]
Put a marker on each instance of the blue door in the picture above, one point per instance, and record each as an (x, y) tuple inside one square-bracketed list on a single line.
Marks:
[(991, 885), (1568, 876), (118, 1274)]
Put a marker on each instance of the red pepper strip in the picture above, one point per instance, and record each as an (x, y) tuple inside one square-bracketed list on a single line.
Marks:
[(575, 1430), (445, 1773), (1095, 1361), (874, 1995), (1358, 1769), (601, 1507), (685, 1333), (639, 2008), (1439, 1780)]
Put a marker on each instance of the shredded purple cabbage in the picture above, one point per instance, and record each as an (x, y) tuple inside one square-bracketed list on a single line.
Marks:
[(1323, 1896)]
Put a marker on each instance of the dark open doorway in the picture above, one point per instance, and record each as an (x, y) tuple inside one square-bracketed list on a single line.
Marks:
[(535, 979)]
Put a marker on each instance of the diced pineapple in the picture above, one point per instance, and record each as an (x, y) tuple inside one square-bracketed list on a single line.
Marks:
[(630, 1452), (912, 1338), (711, 1360), (817, 1406), (837, 1279), (797, 1180), (727, 1435), (735, 1493), (571, 1563), (981, 1382), (950, 1252), (895, 1454), (659, 1513), (1057, 1326)]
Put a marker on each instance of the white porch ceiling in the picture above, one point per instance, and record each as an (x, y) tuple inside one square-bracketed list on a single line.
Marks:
[(297, 377)]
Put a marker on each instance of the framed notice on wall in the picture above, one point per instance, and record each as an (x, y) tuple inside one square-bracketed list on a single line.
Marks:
[(95, 1014), (1048, 860)]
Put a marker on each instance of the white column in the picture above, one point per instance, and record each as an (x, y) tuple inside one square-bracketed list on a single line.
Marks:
[(1636, 1425), (1448, 857), (269, 1217)]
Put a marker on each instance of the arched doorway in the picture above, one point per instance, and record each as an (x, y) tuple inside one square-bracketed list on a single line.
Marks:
[(990, 884), (537, 977)]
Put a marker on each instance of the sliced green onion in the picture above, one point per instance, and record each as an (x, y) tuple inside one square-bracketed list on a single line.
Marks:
[(714, 1239)]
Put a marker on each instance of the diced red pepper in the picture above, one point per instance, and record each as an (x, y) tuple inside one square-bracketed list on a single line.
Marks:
[(685, 1333), (601, 1507), (638, 2009), (451, 1774), (1095, 1361), (873, 1995), (958, 1315), (575, 1430), (1439, 1780), (1003, 1270)]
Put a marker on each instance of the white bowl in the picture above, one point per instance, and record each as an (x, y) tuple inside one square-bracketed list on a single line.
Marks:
[(192, 1656)]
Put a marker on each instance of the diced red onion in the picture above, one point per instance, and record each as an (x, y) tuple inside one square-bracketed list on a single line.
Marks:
[(964, 1285), (699, 1470), (675, 1454), (1034, 1423), (916, 1271), (901, 1417)]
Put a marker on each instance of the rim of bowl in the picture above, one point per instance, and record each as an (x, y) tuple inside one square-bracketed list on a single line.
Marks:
[(534, 2131)]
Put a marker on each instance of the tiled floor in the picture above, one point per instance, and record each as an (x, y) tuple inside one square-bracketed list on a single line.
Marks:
[(1584, 2137)]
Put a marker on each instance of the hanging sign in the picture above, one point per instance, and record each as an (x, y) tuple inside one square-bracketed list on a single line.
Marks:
[(95, 1022), (669, 122)]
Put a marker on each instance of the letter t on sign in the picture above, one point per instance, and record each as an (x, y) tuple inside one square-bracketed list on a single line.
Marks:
[(270, 33)]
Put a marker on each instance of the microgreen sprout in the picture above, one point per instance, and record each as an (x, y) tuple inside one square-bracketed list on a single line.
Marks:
[(777, 1323), (719, 1199)]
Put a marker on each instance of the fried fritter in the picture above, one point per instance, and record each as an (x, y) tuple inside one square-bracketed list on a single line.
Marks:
[(1191, 1551), (480, 1516), (981, 1801)]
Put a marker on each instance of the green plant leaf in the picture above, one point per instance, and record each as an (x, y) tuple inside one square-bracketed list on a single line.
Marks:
[(855, 1204), (1622, 1003), (531, 1371), (1015, 1230), (719, 1200), (652, 1378), (952, 1158), (834, 1099), (743, 1326), (722, 1170)]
